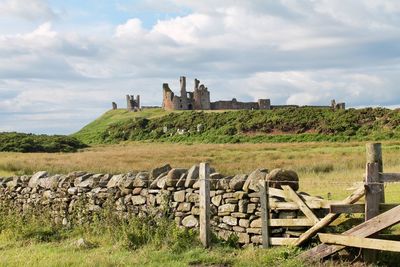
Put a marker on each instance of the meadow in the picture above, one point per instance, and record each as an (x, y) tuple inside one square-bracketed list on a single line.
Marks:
[(324, 169)]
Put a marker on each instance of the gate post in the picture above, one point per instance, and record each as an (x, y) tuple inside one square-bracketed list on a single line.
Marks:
[(204, 178)]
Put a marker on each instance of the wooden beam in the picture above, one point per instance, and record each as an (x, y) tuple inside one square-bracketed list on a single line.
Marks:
[(374, 155), (357, 208), (303, 206), (373, 191), (389, 177), (354, 197), (373, 196), (360, 242), (314, 202), (290, 222), (368, 228), (204, 178), (264, 213)]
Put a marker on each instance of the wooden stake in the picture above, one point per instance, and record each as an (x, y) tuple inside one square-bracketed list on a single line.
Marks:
[(264, 189), (374, 155), (204, 176), (372, 199)]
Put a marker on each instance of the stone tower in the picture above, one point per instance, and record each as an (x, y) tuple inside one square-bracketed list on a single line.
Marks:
[(183, 99), (201, 96)]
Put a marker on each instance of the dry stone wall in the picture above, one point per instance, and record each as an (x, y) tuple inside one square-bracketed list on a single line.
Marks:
[(235, 202)]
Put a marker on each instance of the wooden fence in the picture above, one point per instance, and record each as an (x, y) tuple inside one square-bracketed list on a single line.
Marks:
[(372, 189)]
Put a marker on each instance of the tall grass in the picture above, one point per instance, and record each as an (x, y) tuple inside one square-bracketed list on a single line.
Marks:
[(323, 167)]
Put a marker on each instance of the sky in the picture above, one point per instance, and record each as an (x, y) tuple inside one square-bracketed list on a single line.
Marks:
[(62, 63)]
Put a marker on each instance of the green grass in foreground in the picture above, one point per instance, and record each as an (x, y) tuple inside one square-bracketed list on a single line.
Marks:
[(33, 240)]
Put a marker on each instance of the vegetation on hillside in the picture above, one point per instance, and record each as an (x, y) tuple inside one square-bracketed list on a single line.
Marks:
[(21, 142), (281, 125)]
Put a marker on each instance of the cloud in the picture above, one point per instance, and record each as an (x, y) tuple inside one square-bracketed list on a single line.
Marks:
[(294, 52), (29, 10)]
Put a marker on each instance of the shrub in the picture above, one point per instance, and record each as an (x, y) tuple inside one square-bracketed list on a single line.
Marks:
[(21, 142)]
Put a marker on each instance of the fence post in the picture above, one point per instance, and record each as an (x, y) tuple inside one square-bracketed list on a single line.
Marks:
[(372, 200), (264, 201), (374, 155), (204, 177)]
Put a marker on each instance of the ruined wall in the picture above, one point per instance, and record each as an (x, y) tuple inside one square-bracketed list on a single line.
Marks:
[(235, 203), (234, 104)]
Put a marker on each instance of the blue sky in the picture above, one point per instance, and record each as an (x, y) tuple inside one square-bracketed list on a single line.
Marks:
[(62, 63)]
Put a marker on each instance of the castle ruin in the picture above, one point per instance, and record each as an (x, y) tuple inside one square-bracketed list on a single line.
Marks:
[(199, 99), (132, 103)]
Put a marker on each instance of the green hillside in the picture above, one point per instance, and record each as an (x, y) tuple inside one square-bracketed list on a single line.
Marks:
[(281, 125)]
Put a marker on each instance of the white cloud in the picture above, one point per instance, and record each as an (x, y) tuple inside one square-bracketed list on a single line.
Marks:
[(27, 9), (295, 52)]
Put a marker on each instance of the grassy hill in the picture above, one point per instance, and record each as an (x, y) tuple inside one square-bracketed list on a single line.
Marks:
[(282, 125)]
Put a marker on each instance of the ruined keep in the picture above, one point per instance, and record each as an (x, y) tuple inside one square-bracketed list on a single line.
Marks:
[(133, 104), (199, 99)]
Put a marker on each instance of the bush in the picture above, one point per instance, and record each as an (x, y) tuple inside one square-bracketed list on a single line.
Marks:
[(21, 142)]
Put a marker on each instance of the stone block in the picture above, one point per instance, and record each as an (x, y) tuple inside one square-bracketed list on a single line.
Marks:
[(179, 196), (227, 209), (138, 200), (173, 176), (244, 223), (239, 215), (239, 229), (216, 200), (158, 171), (184, 207), (33, 182), (115, 181), (190, 221), (243, 238), (253, 180), (257, 223), (256, 231), (251, 208), (192, 197), (237, 182), (192, 176), (279, 177), (229, 220)]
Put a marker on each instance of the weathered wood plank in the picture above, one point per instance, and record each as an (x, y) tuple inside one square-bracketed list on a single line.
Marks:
[(360, 242), (373, 191), (368, 228), (264, 213), (374, 155), (357, 208), (290, 222), (204, 178), (389, 177), (312, 202), (373, 197), (303, 207), (354, 197)]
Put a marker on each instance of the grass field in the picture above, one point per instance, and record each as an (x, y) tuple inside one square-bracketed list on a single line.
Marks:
[(323, 168)]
